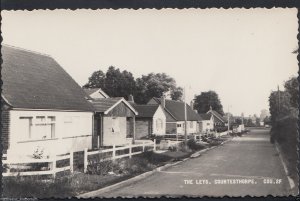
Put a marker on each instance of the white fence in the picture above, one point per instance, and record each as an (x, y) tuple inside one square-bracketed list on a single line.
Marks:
[(114, 149), (53, 169)]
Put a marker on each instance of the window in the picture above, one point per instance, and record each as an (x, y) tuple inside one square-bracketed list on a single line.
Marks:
[(159, 124), (25, 127), (207, 124), (191, 124), (115, 125), (178, 125), (40, 127), (44, 127)]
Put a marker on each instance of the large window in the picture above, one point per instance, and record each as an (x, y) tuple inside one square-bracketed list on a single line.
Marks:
[(25, 127), (40, 127)]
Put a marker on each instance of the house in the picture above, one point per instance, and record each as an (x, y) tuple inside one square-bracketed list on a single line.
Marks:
[(219, 120), (175, 116), (151, 119), (114, 119), (206, 123), (95, 93), (42, 106)]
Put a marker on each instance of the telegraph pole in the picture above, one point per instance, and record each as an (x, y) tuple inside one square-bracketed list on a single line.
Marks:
[(185, 118)]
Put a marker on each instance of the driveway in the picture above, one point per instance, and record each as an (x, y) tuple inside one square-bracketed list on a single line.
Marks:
[(247, 165)]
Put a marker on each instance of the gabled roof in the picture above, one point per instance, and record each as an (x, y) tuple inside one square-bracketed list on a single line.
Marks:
[(91, 91), (107, 104), (36, 81), (146, 111), (176, 110), (205, 116), (217, 115)]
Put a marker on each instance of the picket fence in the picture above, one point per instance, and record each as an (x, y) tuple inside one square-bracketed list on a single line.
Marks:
[(54, 159), (53, 168), (114, 149)]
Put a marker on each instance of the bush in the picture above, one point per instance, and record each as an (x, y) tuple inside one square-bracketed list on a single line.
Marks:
[(194, 146)]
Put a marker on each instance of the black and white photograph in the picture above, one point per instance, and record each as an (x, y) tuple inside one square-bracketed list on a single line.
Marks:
[(149, 103)]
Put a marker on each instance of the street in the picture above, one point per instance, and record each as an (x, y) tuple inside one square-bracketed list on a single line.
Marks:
[(247, 165)]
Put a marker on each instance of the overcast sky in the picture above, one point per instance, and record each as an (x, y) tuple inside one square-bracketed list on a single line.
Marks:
[(241, 54)]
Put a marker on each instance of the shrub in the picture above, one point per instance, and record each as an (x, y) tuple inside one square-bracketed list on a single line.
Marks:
[(194, 146)]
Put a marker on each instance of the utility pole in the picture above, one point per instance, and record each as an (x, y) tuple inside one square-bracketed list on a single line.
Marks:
[(185, 119), (228, 121)]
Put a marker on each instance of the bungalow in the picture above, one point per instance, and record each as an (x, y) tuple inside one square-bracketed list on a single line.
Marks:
[(151, 119), (42, 106), (175, 116), (219, 120), (114, 119), (206, 122)]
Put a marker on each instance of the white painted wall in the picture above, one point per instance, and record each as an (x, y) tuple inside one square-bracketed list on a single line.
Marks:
[(72, 131), (118, 137), (159, 115), (206, 125), (190, 130)]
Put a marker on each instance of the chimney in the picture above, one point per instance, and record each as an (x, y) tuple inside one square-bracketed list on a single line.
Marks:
[(163, 101), (130, 98), (192, 104), (210, 108)]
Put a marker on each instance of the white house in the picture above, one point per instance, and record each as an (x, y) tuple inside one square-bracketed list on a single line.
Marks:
[(42, 106), (151, 120), (206, 123), (175, 116)]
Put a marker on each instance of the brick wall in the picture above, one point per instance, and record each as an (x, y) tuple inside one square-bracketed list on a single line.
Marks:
[(5, 121), (142, 128)]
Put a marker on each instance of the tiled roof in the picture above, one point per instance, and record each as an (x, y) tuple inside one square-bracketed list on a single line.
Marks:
[(205, 116), (103, 104), (145, 110), (176, 109), (216, 114), (90, 91), (35, 81)]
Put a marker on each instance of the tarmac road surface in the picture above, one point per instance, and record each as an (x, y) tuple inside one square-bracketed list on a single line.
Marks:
[(247, 165)]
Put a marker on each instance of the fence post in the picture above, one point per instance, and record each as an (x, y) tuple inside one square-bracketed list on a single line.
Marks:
[(85, 160), (71, 161), (54, 166), (154, 145), (130, 150), (143, 146), (114, 152)]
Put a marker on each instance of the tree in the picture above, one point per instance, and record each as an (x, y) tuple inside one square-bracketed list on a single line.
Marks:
[(156, 85), (208, 99), (292, 87), (97, 80), (238, 121), (115, 83)]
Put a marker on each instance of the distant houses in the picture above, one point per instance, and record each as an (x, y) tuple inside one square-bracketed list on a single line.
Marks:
[(175, 116), (219, 120), (42, 106)]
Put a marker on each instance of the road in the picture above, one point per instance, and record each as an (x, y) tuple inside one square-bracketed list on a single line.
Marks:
[(250, 158)]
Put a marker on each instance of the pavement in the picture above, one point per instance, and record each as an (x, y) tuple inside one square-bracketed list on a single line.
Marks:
[(247, 165)]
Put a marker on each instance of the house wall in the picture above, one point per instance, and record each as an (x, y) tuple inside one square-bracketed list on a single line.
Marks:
[(114, 131), (71, 131), (5, 124), (206, 125), (190, 130), (142, 127), (159, 122)]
